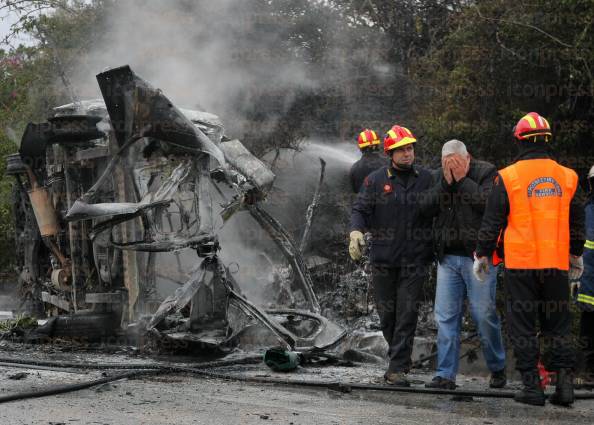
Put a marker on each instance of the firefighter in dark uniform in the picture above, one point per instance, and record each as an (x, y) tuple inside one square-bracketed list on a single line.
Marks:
[(534, 202), (371, 158), (585, 295), (401, 250)]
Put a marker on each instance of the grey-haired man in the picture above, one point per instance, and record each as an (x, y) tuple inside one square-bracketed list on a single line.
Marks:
[(458, 201)]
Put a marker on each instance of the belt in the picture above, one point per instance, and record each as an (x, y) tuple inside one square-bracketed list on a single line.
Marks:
[(589, 244)]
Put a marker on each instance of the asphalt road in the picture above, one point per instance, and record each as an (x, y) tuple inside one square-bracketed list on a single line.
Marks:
[(181, 399)]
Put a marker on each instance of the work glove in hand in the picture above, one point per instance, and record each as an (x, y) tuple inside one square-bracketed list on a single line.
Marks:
[(574, 287), (356, 244), (480, 268), (576, 267)]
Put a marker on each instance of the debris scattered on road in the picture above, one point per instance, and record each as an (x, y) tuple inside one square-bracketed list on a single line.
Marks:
[(18, 376)]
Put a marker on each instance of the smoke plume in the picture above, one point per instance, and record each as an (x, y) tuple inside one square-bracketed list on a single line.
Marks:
[(214, 56)]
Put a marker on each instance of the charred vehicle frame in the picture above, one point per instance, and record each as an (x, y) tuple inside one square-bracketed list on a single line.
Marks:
[(104, 186)]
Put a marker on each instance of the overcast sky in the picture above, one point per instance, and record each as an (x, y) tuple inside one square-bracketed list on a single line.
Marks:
[(5, 22)]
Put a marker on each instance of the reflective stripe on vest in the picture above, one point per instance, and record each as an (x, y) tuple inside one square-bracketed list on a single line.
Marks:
[(589, 244), (537, 232)]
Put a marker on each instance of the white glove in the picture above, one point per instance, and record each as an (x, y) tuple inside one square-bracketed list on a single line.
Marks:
[(576, 267), (357, 242), (480, 268), (574, 287)]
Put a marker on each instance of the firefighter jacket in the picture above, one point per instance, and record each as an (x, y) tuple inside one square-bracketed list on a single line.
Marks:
[(369, 162), (586, 293), (388, 207)]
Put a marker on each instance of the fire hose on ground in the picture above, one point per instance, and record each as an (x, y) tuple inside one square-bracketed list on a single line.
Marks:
[(131, 370), (137, 370)]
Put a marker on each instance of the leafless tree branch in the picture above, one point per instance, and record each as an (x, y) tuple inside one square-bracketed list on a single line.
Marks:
[(552, 37), (25, 10)]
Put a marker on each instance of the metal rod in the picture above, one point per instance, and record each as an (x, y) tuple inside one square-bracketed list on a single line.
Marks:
[(71, 230), (284, 241), (312, 209)]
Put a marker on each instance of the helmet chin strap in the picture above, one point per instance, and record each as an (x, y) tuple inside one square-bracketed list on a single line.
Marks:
[(402, 167)]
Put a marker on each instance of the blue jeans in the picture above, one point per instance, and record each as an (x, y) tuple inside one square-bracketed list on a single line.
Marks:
[(455, 281)]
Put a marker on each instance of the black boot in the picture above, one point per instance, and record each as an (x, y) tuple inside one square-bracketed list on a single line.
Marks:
[(563, 394), (498, 379), (532, 393), (398, 379)]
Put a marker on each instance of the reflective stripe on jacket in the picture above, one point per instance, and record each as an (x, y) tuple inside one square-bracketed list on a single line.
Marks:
[(537, 234), (586, 292)]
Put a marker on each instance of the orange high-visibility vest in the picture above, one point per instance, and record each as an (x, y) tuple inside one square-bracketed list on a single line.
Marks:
[(537, 234)]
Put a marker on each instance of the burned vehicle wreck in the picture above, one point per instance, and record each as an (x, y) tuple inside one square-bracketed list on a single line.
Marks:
[(110, 193)]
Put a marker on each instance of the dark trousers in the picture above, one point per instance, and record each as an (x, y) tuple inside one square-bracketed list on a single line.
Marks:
[(397, 293), (542, 295), (587, 339)]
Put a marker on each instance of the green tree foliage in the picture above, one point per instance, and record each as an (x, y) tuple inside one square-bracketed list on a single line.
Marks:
[(411, 26), (32, 82), (16, 77), (447, 69), (502, 59)]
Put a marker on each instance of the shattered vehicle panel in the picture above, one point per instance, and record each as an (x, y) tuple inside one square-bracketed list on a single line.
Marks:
[(143, 111), (116, 189)]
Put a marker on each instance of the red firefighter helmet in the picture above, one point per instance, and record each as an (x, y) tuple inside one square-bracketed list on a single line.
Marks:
[(532, 124), (398, 136), (368, 138)]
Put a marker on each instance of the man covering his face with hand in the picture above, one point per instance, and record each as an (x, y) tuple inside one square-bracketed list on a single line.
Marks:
[(458, 201)]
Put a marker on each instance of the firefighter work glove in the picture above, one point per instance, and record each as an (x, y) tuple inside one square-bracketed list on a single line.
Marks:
[(574, 288), (356, 245), (480, 268), (576, 267)]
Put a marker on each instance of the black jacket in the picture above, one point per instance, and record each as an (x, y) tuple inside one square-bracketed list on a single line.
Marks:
[(497, 210), (369, 162), (459, 208), (389, 209)]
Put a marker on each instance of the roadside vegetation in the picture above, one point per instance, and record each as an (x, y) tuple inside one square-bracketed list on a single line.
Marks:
[(447, 69)]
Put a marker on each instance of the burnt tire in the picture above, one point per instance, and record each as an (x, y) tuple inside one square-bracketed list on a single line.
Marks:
[(74, 129), (81, 328)]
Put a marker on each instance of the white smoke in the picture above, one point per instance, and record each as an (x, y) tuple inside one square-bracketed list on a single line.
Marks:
[(204, 55)]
